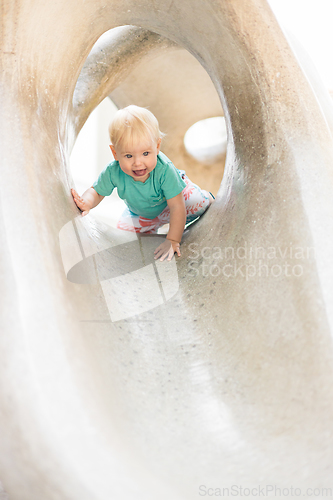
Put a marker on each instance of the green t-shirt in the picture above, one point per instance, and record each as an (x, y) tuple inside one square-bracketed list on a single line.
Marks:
[(148, 198)]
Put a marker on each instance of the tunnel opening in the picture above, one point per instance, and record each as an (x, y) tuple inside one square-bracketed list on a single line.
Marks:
[(129, 65)]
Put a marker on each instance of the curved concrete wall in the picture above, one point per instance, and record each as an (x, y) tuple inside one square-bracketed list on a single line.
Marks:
[(121, 378)]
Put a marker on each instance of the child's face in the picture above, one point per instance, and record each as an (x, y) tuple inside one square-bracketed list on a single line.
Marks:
[(137, 160)]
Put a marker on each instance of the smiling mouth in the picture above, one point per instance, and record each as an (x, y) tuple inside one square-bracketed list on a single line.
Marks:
[(140, 173)]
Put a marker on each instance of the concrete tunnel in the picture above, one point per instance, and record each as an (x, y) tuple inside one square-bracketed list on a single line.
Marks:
[(123, 378)]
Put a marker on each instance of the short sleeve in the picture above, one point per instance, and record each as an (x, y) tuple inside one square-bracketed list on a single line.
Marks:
[(104, 185), (171, 182)]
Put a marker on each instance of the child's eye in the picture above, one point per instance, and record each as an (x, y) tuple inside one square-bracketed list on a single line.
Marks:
[(128, 156), (146, 153)]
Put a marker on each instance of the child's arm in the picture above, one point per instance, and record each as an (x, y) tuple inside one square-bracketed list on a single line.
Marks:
[(88, 200), (176, 229)]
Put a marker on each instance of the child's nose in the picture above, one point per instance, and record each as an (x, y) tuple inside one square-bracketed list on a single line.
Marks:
[(137, 161)]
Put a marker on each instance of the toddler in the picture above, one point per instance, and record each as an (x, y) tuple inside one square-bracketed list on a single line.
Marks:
[(154, 191)]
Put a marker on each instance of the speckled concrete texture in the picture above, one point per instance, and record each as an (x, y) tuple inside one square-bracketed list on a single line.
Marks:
[(125, 379)]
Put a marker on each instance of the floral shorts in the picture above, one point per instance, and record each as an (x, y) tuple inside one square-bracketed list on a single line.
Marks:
[(196, 203)]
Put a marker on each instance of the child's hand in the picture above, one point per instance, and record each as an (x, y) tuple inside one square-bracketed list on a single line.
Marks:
[(167, 249), (80, 203)]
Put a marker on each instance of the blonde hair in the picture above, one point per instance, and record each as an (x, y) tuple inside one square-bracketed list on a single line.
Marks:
[(132, 124)]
